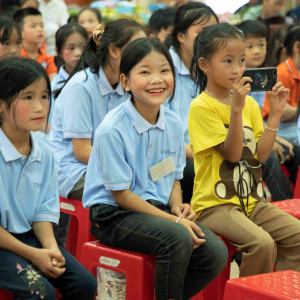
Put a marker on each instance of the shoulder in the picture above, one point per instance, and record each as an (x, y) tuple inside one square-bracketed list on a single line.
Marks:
[(250, 103), (171, 117), (203, 101)]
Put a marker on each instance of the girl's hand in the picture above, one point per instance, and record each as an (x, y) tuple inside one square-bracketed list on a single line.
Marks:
[(184, 210), (195, 232), (277, 98), (241, 88), (45, 259), (279, 151)]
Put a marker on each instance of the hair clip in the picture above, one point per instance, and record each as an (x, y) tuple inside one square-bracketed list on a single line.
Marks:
[(97, 35)]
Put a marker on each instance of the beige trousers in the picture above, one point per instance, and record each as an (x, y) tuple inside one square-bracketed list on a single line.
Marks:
[(266, 237)]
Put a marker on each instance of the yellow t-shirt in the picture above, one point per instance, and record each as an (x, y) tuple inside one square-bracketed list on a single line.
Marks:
[(218, 181)]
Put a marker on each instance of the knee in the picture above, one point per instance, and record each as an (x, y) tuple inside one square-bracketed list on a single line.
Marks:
[(265, 246), (86, 287)]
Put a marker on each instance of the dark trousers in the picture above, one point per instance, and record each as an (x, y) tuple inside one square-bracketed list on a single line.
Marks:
[(181, 272), (276, 181), (20, 277), (187, 182)]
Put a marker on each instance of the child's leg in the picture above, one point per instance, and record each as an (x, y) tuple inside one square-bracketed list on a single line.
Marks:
[(20, 277), (77, 282), (171, 242), (259, 249), (206, 263), (284, 229)]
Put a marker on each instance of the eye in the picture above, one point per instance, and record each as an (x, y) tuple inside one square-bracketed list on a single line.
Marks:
[(144, 72), (262, 45), (45, 97), (19, 42), (249, 47), (27, 97), (242, 60), (228, 61), (6, 43), (166, 70)]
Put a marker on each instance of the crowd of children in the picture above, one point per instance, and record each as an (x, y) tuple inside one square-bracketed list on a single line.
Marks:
[(160, 137)]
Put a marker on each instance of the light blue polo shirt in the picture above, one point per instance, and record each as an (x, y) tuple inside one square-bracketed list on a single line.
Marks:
[(28, 189), (125, 147), (79, 109), (185, 92)]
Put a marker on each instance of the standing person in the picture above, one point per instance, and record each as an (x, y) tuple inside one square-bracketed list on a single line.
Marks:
[(92, 90), (283, 151), (10, 38), (89, 18), (32, 263), (190, 19), (229, 146), (138, 159)]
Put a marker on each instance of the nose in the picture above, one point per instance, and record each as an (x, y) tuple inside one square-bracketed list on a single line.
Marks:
[(77, 52), (156, 79), (15, 50)]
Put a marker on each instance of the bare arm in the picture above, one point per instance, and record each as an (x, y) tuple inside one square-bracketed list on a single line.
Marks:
[(277, 99), (82, 149), (188, 151), (289, 114)]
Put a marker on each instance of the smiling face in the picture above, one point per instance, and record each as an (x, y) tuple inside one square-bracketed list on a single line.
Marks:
[(29, 111), (256, 51), (33, 30), (12, 46), (151, 81), (223, 67), (71, 50), (88, 20)]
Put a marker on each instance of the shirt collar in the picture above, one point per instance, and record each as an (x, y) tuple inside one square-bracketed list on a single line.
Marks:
[(10, 153), (140, 124), (105, 87), (178, 63), (290, 64), (63, 73)]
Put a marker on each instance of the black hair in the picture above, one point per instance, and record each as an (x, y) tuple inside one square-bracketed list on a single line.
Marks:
[(276, 46), (253, 29), (21, 14), (162, 19), (118, 32), (291, 38), (185, 16), (94, 10), (138, 50), (16, 73), (6, 27), (65, 31), (207, 43)]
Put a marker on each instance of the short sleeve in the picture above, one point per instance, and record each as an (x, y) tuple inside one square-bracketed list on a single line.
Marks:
[(77, 112), (181, 161), (206, 129), (115, 171), (51, 67)]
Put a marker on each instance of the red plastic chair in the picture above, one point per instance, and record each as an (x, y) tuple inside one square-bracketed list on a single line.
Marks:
[(297, 185), (138, 268), (79, 230), (291, 206), (284, 285), (5, 295)]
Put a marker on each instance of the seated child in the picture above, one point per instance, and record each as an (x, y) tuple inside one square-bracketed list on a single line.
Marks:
[(32, 263), (10, 38), (161, 23), (31, 26), (89, 18), (229, 145), (137, 160)]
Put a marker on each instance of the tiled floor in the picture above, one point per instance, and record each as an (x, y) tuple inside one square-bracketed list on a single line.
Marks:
[(234, 270)]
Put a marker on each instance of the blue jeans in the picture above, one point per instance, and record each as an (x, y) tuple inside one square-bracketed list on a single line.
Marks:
[(20, 277), (181, 272)]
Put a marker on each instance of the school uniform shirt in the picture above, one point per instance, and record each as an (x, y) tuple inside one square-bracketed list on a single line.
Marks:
[(79, 109), (185, 92), (28, 189), (125, 148), (216, 179), (259, 97), (288, 75), (47, 61)]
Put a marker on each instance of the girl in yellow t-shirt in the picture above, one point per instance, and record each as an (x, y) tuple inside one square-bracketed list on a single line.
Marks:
[(229, 145)]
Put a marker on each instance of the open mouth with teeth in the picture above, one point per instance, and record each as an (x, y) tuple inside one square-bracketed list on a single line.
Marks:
[(156, 91)]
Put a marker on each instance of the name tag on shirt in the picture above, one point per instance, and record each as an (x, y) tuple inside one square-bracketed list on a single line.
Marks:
[(162, 169)]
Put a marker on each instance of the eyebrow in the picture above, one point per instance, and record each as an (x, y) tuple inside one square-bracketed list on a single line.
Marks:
[(147, 66)]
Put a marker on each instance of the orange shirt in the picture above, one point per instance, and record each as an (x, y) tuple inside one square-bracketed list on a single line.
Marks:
[(47, 61), (288, 75)]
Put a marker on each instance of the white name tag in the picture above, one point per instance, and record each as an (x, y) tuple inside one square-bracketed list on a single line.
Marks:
[(162, 169)]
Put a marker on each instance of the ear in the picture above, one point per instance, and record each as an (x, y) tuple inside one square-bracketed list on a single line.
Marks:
[(114, 51), (125, 82), (180, 37), (203, 64)]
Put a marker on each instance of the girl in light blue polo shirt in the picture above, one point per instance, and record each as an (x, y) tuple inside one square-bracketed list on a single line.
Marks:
[(32, 264), (133, 179), (92, 90), (190, 19)]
